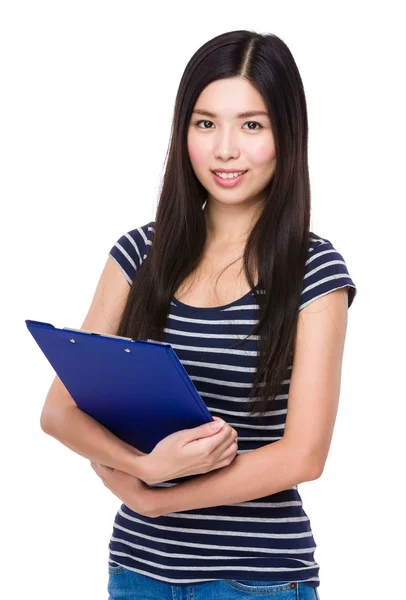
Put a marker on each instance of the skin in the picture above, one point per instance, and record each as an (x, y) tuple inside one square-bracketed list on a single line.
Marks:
[(229, 142)]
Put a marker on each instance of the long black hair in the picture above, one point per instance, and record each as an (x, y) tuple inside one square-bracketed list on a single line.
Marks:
[(278, 243)]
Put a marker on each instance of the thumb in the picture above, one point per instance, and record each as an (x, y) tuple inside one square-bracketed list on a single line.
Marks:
[(215, 425)]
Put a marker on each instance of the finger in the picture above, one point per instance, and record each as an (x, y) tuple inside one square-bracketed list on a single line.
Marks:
[(215, 446), (227, 457), (100, 467), (224, 443), (226, 448), (223, 437), (230, 451), (210, 450)]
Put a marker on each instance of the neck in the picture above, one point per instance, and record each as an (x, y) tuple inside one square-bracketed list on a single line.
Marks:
[(229, 224)]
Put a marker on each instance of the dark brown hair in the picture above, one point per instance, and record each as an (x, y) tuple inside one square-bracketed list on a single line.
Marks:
[(279, 240)]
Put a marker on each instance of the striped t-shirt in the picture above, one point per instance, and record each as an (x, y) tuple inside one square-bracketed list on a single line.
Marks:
[(268, 538)]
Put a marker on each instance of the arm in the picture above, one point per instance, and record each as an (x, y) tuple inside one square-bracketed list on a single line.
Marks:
[(312, 407), (62, 418), (241, 481), (89, 438)]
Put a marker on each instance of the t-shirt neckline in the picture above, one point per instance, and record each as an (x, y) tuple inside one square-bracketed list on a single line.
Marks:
[(213, 308)]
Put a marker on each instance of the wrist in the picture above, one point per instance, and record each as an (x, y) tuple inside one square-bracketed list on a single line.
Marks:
[(144, 469), (156, 502)]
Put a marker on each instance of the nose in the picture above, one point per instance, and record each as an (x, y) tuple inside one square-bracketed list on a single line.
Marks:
[(226, 146)]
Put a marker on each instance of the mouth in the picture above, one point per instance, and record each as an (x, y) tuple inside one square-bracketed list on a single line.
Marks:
[(229, 179)]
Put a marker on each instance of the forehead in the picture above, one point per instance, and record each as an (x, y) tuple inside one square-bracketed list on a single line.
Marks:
[(227, 97)]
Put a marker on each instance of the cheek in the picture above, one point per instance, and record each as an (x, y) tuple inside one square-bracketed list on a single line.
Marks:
[(262, 155), (197, 152)]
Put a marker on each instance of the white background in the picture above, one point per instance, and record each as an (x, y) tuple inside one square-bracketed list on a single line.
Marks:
[(87, 96)]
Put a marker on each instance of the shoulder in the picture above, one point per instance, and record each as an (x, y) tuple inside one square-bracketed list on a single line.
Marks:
[(326, 271), (131, 249)]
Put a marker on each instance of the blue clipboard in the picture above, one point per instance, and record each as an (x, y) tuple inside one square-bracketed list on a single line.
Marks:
[(138, 390)]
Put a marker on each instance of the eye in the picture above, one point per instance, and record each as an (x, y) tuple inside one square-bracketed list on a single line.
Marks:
[(255, 123), (202, 121)]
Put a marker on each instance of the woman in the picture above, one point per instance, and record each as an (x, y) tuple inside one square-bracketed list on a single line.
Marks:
[(255, 306)]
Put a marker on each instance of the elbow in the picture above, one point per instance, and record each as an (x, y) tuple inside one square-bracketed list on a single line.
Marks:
[(315, 467), (47, 422), (305, 464), (46, 427), (44, 423), (315, 470)]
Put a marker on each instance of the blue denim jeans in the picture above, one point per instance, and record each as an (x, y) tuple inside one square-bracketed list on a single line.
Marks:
[(125, 584)]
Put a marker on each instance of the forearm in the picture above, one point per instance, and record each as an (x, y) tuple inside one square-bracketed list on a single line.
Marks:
[(267, 470), (89, 438)]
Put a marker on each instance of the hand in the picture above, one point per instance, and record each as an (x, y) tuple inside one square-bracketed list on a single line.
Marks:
[(191, 452), (133, 492)]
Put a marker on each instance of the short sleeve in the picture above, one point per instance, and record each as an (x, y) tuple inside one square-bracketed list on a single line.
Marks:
[(131, 249), (326, 271)]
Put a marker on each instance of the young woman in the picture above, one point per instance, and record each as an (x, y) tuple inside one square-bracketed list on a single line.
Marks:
[(255, 306)]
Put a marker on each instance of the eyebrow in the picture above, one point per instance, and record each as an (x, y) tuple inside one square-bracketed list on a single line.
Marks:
[(243, 115)]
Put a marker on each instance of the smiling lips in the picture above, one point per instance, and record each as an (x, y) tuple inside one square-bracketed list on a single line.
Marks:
[(228, 173), (228, 178)]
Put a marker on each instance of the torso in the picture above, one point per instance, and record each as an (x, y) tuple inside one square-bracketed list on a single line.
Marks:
[(207, 287)]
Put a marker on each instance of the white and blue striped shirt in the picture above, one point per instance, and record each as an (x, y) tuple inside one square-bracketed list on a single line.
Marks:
[(269, 538)]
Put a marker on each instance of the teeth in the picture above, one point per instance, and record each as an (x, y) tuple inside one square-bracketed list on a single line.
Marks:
[(229, 175)]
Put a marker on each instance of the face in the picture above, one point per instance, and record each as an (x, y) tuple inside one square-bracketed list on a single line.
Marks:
[(219, 137)]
